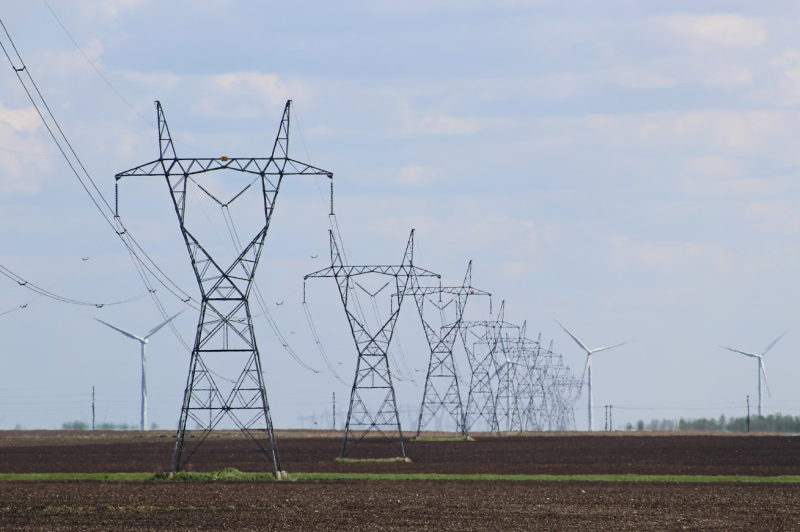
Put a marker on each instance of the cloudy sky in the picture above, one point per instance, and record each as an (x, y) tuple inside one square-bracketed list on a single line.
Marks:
[(628, 167)]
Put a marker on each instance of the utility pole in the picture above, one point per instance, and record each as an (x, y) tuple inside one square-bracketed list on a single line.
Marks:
[(334, 410), (606, 429), (611, 417), (748, 413), (92, 407)]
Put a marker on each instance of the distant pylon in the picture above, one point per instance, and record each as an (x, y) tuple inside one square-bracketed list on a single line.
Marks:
[(441, 382), (482, 349), (373, 404)]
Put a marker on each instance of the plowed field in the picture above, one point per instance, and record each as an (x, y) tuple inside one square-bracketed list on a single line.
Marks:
[(547, 454), (440, 506), (404, 505)]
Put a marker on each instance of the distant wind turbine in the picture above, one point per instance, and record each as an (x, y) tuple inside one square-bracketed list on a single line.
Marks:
[(587, 371), (143, 341), (761, 369)]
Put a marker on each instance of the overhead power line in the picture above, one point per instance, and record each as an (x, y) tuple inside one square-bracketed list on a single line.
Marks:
[(144, 266)]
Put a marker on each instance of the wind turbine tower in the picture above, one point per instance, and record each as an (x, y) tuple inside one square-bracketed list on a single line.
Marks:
[(761, 370), (143, 340), (587, 371)]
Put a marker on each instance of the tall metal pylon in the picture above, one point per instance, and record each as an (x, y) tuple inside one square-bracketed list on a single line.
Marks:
[(225, 328), (482, 351), (441, 382), (372, 384)]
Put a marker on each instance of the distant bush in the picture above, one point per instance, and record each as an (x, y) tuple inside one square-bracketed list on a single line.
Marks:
[(117, 426), (770, 423), (74, 425)]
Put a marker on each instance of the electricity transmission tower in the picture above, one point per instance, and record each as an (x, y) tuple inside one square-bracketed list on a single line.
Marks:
[(482, 350), (373, 405), (225, 333), (441, 383)]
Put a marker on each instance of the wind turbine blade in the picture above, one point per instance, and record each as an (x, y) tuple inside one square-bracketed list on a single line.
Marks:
[(764, 372), (126, 333), (608, 347), (586, 368), (573, 337), (158, 327), (770, 346), (740, 352)]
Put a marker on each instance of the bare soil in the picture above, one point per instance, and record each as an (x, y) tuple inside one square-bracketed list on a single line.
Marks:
[(440, 506), (52, 452)]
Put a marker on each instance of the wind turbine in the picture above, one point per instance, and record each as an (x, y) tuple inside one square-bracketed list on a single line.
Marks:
[(587, 371), (761, 369), (143, 341)]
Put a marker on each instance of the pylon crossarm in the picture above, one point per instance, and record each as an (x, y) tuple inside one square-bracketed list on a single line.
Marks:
[(257, 166), (452, 290), (352, 271)]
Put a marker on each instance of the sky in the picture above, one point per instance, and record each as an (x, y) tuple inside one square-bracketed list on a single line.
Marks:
[(627, 167)]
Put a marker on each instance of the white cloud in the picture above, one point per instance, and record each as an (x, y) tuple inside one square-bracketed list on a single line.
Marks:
[(779, 216), (721, 30), (726, 76), (417, 176), (270, 87), (670, 258), (636, 78), (443, 125), (712, 166), (232, 95), (788, 90), (26, 120)]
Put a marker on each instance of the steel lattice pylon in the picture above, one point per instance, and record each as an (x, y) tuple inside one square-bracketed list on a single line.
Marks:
[(441, 382), (225, 326), (481, 355), (372, 384)]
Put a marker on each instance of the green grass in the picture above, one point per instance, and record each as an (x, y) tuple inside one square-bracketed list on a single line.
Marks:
[(226, 475), (233, 475), (357, 460), (455, 438)]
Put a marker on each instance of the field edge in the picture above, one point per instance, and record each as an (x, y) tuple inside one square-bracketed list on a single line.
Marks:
[(230, 476)]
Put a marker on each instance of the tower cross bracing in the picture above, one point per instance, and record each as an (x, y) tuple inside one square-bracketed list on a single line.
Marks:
[(373, 404), (225, 334)]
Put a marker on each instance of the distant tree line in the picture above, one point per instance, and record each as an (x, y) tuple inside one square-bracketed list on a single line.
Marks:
[(82, 425), (770, 423)]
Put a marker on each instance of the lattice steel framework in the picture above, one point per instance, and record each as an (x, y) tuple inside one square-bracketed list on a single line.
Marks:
[(372, 384), (481, 349), (225, 325), (441, 391), (536, 391)]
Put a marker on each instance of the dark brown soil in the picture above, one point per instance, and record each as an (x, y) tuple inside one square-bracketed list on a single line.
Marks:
[(556, 454), (439, 506)]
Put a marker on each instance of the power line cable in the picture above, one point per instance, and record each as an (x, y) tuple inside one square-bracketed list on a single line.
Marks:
[(117, 224), (259, 299), (121, 97)]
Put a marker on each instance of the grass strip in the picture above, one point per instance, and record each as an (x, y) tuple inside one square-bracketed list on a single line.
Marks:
[(226, 475), (455, 438), (359, 460)]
